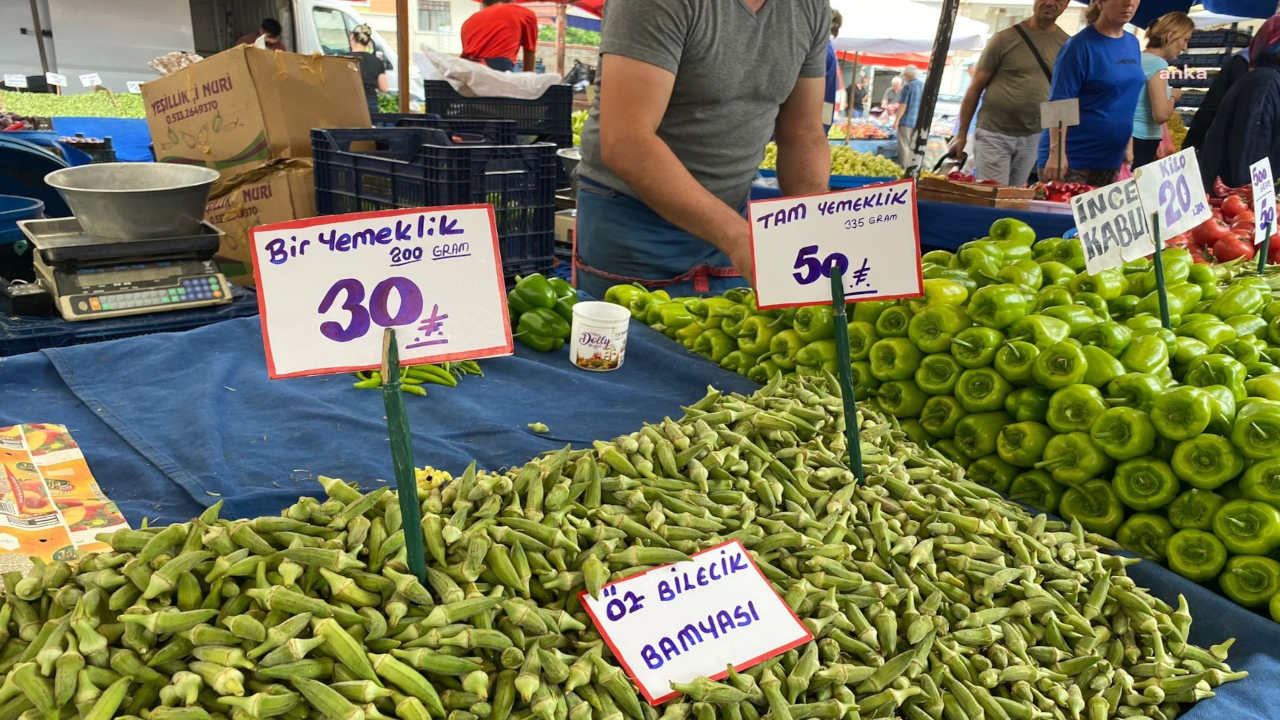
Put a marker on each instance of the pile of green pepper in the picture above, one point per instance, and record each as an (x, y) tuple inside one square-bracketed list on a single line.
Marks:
[(1062, 389), (541, 311), (414, 377)]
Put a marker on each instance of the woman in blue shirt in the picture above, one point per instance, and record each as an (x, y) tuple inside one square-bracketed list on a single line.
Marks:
[(1100, 66), (1166, 39)]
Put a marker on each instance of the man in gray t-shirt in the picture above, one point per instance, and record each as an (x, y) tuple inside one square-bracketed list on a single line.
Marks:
[(690, 92)]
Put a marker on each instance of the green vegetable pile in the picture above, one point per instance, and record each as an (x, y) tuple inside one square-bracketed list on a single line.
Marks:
[(1061, 389), (579, 119), (102, 103), (845, 161), (541, 311), (414, 377), (928, 596)]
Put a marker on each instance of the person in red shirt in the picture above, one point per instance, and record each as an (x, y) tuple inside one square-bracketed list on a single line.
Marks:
[(495, 34)]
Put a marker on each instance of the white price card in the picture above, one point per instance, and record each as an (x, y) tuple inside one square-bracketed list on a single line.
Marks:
[(1170, 188), (328, 285), (57, 79), (871, 232), (14, 80), (1112, 226), (678, 622), (1064, 113), (133, 86), (1264, 200), (91, 80)]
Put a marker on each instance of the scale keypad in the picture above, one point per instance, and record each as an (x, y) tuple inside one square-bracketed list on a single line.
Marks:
[(192, 289)]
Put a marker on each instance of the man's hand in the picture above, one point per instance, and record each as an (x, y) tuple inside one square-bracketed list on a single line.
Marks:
[(1052, 169), (958, 144)]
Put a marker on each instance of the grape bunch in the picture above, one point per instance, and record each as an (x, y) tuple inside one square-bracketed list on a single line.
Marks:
[(845, 161), (579, 119)]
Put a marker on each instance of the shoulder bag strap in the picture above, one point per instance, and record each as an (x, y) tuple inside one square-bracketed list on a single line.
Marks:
[(1048, 73)]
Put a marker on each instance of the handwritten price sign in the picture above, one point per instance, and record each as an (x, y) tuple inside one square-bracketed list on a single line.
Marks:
[(1171, 188), (870, 233), (14, 80), (678, 622), (1264, 200), (57, 79), (91, 80), (327, 285), (1112, 226)]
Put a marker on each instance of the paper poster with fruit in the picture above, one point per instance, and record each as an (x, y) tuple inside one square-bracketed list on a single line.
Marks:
[(50, 505)]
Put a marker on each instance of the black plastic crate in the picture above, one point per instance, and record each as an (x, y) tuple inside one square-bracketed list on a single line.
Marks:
[(1200, 60), (381, 168), (497, 132), (1219, 39), (547, 119)]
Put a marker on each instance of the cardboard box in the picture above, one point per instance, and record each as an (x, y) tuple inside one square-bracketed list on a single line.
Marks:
[(274, 192), (245, 106)]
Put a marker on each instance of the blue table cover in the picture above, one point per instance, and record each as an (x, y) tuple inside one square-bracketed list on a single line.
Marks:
[(129, 136), (170, 423), (947, 226)]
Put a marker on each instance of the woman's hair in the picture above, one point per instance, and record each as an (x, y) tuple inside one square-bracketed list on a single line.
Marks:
[(836, 21), (1094, 11), (1167, 27), (1265, 48), (362, 34)]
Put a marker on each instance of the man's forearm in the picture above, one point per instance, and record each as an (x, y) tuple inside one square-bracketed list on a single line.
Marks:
[(530, 60), (804, 164)]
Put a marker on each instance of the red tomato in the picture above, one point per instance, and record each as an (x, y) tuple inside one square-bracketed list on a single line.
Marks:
[(1233, 206), (1231, 248), (1245, 216), (1273, 250), (1209, 232), (1241, 226)]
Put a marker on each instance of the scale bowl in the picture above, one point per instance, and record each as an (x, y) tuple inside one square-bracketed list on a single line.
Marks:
[(133, 201)]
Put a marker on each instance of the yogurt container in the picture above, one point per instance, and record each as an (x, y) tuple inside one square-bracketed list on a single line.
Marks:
[(599, 338)]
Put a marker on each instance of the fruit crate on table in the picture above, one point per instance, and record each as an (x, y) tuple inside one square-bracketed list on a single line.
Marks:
[(965, 193), (498, 132), (382, 168)]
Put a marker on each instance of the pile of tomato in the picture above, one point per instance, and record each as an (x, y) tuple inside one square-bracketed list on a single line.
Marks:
[(1229, 235)]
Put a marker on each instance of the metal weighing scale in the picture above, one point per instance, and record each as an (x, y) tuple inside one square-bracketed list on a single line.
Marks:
[(136, 244)]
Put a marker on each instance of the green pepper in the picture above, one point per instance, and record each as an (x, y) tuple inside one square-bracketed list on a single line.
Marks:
[(738, 361), (1212, 332), (1124, 433), (1037, 489), (532, 291), (1059, 365), (564, 307), (992, 472), (763, 371), (938, 257), (1022, 443), (894, 358), (1071, 254), (915, 431), (980, 258), (933, 328), (1013, 235), (1262, 482), (818, 354), (976, 346), (1222, 404), (1029, 404), (1052, 296), (1264, 386), (1196, 555), (1206, 461), (1145, 354), (1024, 273), (1194, 509), (1110, 336), (1095, 304), (755, 335), (943, 291), (1239, 299), (1135, 390), (1271, 310), (976, 433), (982, 390), (542, 329), (814, 322), (1256, 431), (1147, 535), (1101, 367), (998, 306), (1145, 483), (959, 277), (1181, 413), (1218, 369), (1123, 307), (735, 317), (1251, 580), (864, 383), (783, 348), (1273, 331), (1094, 505), (862, 335), (940, 415), (1073, 458), (1108, 284), (1015, 360), (640, 304), (621, 294), (937, 374), (1248, 527), (1040, 330), (901, 398), (741, 295), (688, 334), (1074, 408), (1247, 325), (1246, 349), (1188, 350), (672, 315), (1165, 336), (1176, 296), (893, 322), (1046, 247), (714, 344), (1139, 323), (950, 450), (562, 287), (869, 311), (1076, 317), (706, 309)]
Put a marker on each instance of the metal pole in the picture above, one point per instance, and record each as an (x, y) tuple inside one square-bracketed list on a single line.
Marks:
[(402, 53), (35, 21), (937, 61), (562, 28)]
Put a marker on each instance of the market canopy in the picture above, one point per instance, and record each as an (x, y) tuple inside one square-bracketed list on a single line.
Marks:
[(887, 28), (1151, 9), (920, 60), (576, 17)]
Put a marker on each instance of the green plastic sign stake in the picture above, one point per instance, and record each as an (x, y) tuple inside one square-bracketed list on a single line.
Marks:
[(1158, 259), (844, 362), (402, 455)]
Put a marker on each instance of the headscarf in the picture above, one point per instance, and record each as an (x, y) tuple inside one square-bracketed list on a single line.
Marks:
[(1265, 48)]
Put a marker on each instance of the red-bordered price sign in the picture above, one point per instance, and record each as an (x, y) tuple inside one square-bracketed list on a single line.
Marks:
[(328, 285)]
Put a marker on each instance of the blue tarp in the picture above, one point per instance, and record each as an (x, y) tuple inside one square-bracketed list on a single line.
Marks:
[(167, 421), (1151, 9), (947, 225), (129, 136)]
